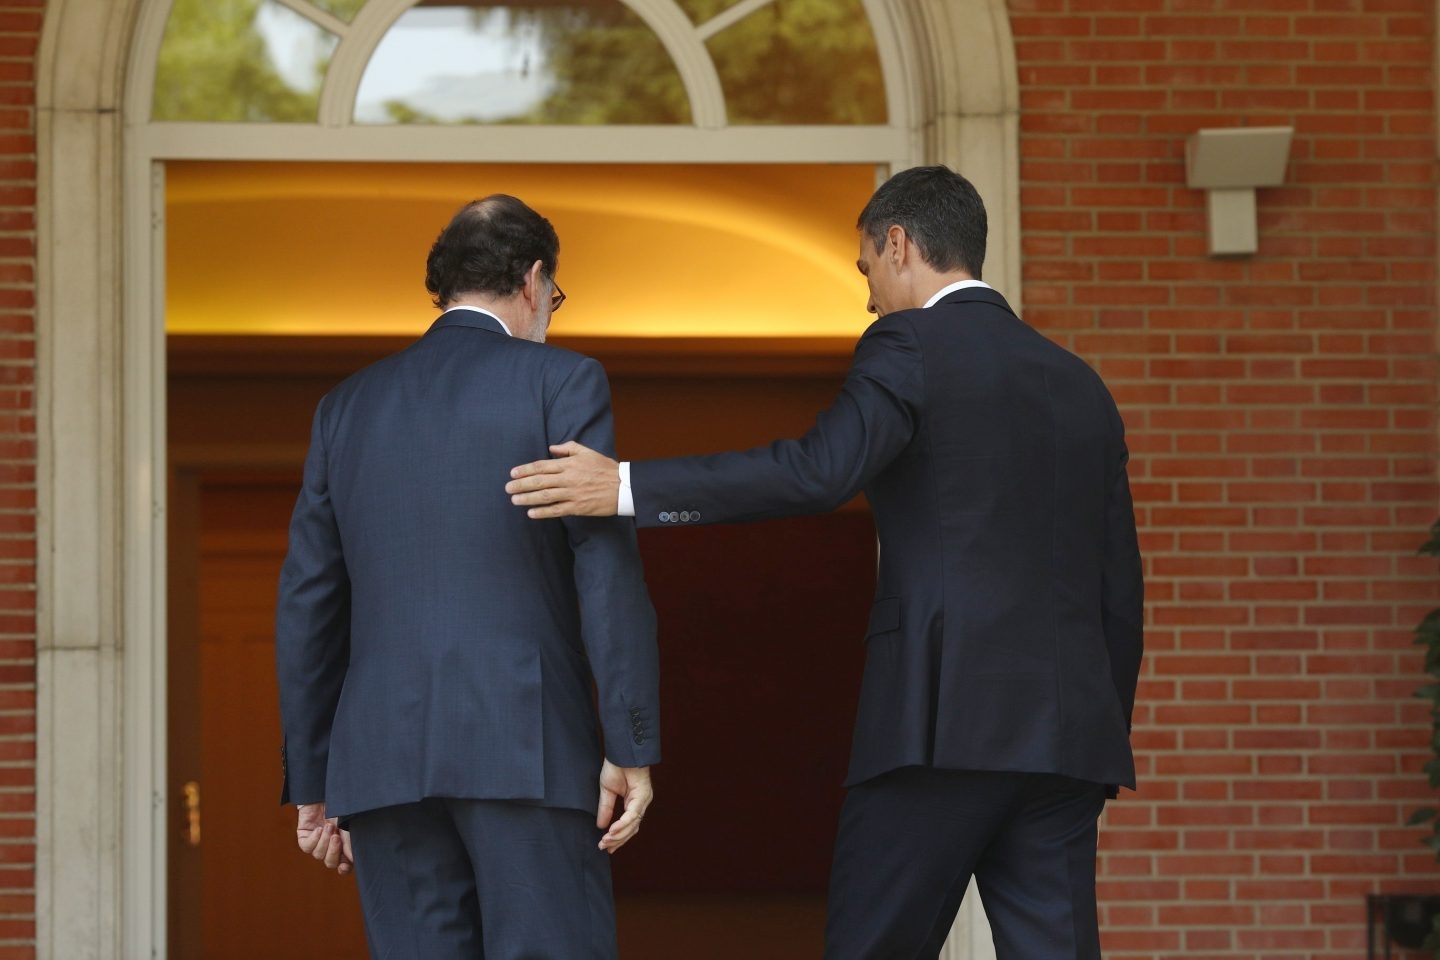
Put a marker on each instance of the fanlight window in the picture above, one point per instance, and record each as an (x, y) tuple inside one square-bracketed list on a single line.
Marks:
[(782, 62)]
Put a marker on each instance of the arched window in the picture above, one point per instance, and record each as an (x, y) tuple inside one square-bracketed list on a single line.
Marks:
[(706, 63)]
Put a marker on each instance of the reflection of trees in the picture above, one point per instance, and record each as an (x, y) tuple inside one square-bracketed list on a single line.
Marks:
[(795, 61), (344, 9), (609, 67), (398, 111), (798, 61), (214, 65)]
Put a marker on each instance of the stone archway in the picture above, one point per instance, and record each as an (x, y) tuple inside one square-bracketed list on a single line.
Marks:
[(83, 863), (101, 714)]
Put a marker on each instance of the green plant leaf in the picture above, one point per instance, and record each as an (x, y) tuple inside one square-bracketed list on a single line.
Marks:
[(1431, 547), (1432, 939)]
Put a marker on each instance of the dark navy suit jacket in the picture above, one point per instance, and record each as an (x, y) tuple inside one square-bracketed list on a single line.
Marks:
[(431, 640), (1006, 630)]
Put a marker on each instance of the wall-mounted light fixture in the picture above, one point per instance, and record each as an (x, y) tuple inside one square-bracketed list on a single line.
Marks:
[(1230, 163)]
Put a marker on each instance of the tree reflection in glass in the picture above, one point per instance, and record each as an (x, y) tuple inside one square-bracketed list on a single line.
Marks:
[(798, 62), (344, 9), (240, 60), (526, 61)]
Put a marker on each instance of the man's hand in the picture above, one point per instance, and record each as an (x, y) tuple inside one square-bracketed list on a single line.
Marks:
[(581, 483), (323, 839), (632, 784)]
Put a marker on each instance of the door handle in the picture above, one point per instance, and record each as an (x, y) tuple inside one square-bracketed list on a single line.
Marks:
[(192, 812)]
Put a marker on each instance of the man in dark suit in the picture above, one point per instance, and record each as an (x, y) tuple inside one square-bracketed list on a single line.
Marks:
[(436, 650), (1005, 639)]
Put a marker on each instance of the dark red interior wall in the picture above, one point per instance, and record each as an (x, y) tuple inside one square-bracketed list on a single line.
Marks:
[(761, 630)]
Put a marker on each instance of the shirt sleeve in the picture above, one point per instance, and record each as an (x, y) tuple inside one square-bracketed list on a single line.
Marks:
[(626, 505)]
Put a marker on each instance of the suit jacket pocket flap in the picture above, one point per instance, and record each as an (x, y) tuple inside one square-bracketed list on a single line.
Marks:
[(884, 617)]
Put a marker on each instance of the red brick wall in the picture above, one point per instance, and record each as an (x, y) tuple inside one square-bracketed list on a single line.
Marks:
[(19, 39), (1281, 419)]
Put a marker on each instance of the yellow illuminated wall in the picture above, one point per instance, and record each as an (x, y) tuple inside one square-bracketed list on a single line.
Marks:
[(645, 250)]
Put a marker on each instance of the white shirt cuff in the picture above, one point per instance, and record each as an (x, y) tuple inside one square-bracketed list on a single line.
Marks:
[(626, 506)]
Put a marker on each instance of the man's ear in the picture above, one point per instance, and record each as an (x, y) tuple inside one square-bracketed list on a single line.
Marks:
[(534, 283), (897, 246)]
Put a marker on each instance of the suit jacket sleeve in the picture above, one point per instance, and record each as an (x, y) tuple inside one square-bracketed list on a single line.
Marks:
[(617, 620), (312, 630), (1123, 586), (866, 427)]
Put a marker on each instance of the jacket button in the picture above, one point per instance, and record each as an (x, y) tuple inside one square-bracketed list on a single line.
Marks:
[(639, 739), (685, 516), (695, 516), (664, 517)]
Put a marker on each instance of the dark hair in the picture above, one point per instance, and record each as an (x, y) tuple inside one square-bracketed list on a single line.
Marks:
[(939, 210), (488, 247)]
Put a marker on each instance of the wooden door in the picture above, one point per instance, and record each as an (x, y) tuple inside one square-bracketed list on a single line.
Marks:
[(256, 894)]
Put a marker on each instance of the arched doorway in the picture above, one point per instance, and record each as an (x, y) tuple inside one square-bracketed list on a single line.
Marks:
[(101, 796)]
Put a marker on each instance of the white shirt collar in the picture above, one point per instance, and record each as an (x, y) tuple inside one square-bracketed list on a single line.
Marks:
[(957, 285), (487, 313)]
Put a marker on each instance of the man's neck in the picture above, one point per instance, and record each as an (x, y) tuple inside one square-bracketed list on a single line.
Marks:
[(504, 308), (933, 283)]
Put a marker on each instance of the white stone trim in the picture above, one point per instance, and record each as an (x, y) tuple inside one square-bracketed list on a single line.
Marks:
[(138, 95), (347, 66), (143, 465), (729, 17), (903, 95), (317, 16), (80, 790), (539, 144), (687, 48)]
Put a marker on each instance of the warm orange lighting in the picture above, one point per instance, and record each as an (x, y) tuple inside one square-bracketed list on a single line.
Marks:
[(645, 250)]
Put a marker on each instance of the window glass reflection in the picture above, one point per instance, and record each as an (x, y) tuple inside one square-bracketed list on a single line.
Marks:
[(801, 62), (526, 61), (343, 9), (240, 60)]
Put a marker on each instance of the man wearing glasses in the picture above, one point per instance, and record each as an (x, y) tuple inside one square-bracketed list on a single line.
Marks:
[(436, 650)]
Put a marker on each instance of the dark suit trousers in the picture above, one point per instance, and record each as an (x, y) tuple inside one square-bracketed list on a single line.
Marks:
[(447, 879), (910, 840)]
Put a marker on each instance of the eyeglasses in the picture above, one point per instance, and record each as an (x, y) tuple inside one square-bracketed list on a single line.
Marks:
[(557, 297)]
